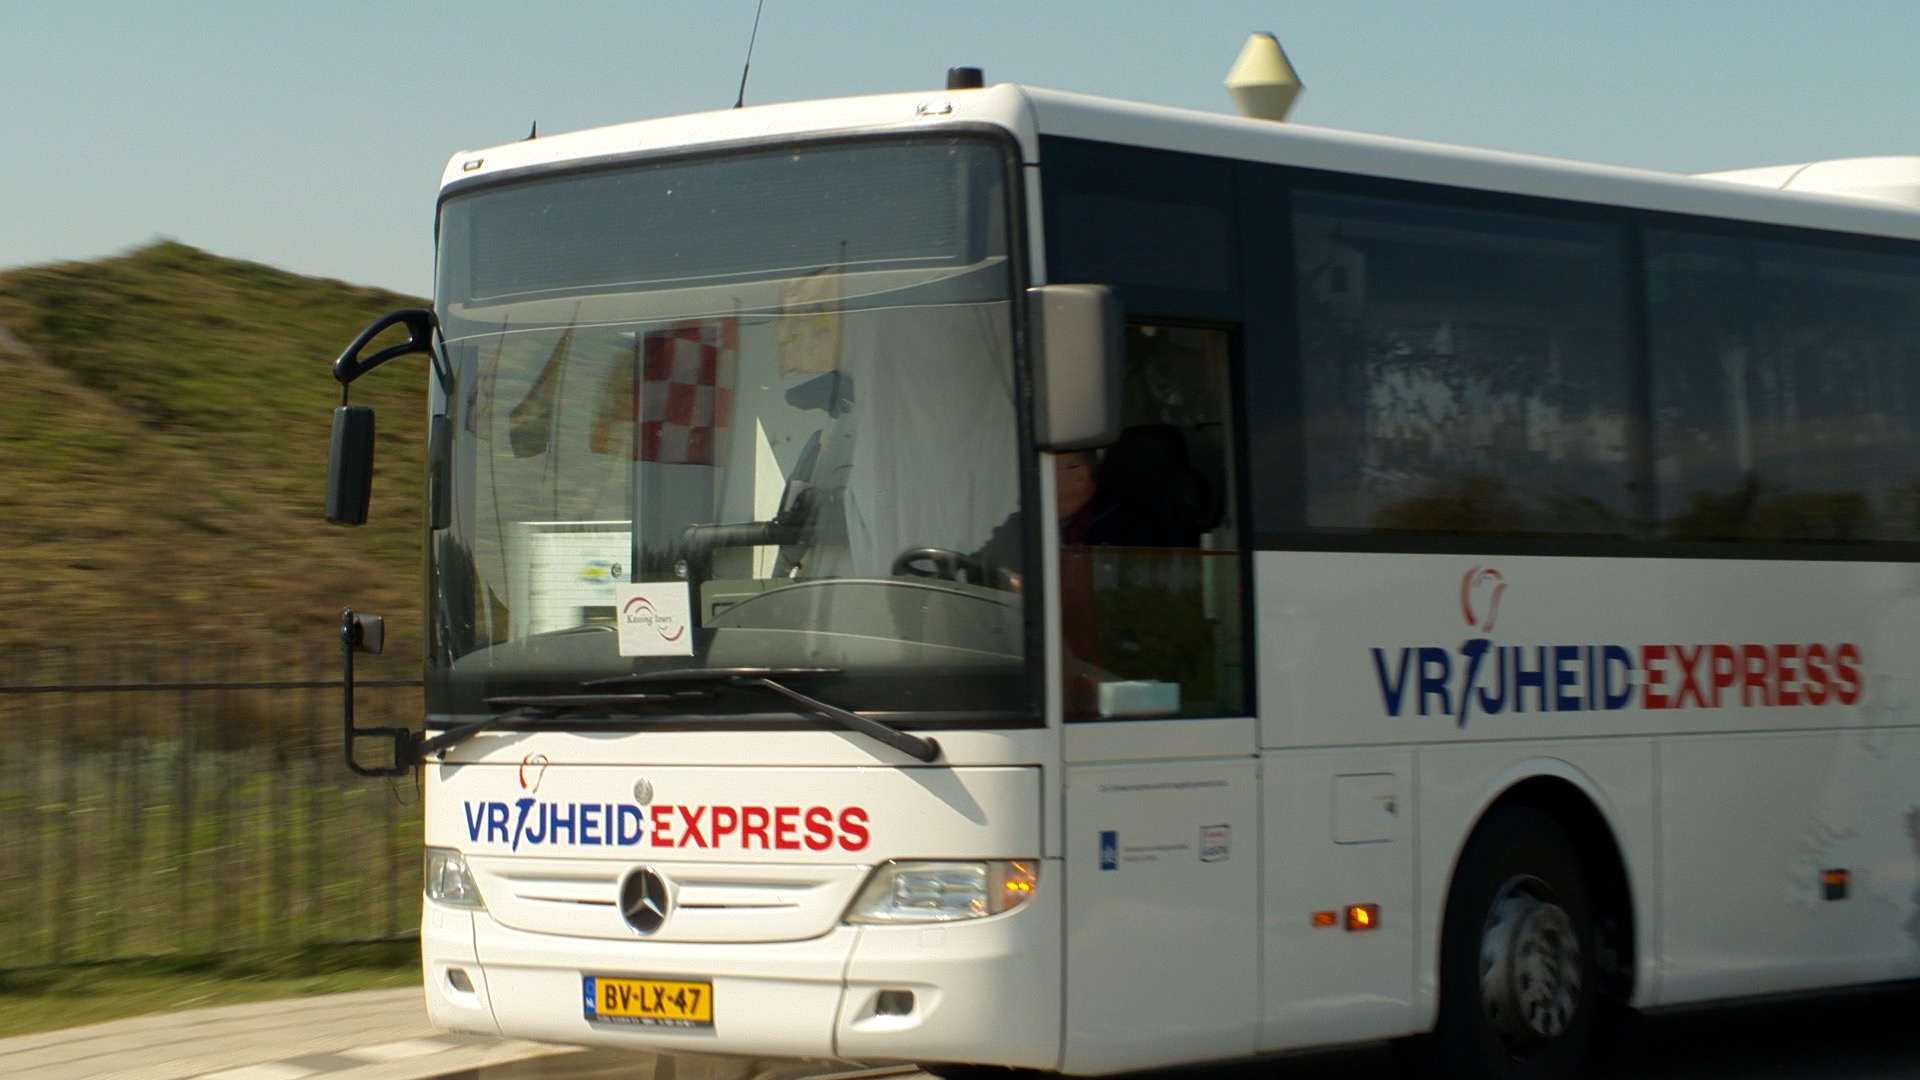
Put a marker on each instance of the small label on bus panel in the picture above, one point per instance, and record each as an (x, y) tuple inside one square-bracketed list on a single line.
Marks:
[(655, 618), (1216, 843)]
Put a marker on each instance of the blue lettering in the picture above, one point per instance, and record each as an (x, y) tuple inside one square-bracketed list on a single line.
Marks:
[(497, 822), (590, 824), (1615, 695), (1475, 650), (524, 804), (1590, 680), (1566, 678), (1499, 678), (1435, 669), (629, 815), (1391, 693), (1522, 679), (1497, 704), (537, 835), (556, 822), (476, 812)]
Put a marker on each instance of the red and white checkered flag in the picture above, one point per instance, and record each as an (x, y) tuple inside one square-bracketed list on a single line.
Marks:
[(682, 400)]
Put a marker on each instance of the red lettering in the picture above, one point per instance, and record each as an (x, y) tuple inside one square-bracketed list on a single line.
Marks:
[(1652, 661), (853, 828), (661, 820), (1758, 664), (725, 820), (819, 828), (754, 823), (1817, 675), (1726, 671), (1846, 668), (1788, 657), (692, 815), (785, 821), (1689, 678)]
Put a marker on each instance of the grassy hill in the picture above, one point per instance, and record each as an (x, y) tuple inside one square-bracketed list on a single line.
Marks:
[(164, 419)]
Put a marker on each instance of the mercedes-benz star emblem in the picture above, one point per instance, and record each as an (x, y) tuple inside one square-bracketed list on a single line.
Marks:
[(645, 899)]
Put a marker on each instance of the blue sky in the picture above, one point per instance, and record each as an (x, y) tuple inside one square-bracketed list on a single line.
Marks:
[(311, 136)]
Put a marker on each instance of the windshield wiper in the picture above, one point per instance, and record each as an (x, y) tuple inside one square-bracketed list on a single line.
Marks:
[(918, 747), (721, 675), (532, 707), (462, 733)]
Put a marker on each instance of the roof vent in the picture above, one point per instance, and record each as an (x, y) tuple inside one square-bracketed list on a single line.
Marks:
[(1262, 81), (965, 78)]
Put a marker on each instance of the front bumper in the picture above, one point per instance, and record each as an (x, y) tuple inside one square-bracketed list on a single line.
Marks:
[(982, 990)]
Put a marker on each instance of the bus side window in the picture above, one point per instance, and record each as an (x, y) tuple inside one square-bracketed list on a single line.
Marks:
[(1151, 598), (1156, 497)]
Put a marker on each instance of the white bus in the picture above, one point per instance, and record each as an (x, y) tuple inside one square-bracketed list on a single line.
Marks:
[(1496, 607)]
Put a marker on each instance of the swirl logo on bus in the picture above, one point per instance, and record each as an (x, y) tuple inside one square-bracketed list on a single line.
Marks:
[(1481, 677), (1480, 590), (536, 764)]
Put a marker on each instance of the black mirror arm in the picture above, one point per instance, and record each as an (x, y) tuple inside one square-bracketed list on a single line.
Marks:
[(421, 331), (366, 633)]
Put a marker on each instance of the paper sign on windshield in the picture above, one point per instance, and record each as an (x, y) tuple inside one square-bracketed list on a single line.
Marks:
[(655, 619)]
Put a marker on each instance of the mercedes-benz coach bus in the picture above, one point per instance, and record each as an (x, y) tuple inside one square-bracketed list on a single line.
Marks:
[(1001, 576)]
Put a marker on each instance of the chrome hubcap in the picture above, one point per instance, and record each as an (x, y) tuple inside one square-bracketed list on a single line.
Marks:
[(1529, 964)]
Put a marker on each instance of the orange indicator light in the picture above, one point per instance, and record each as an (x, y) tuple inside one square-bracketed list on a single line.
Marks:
[(1325, 919), (1363, 916), (1833, 884)]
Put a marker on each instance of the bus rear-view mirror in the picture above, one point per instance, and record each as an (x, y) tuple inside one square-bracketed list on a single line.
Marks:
[(350, 465), (1077, 336)]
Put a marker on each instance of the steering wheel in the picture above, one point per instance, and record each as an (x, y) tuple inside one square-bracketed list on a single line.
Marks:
[(943, 563)]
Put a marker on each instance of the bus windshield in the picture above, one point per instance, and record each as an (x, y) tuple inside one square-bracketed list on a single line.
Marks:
[(745, 411)]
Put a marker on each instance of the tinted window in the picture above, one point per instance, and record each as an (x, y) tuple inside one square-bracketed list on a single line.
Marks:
[(1156, 226), (1149, 564), (866, 205), (1463, 372), (1786, 390)]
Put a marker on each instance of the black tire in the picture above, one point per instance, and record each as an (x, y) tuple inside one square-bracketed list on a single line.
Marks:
[(1519, 988)]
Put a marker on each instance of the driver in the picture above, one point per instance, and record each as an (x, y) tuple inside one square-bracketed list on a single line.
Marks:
[(1084, 517)]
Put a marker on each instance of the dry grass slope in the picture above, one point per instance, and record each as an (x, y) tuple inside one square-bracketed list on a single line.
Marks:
[(164, 419)]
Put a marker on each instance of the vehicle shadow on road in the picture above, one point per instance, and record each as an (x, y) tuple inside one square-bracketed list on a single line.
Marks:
[(1854, 1035)]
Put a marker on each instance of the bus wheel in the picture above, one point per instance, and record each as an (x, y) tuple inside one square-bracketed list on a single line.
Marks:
[(1517, 976)]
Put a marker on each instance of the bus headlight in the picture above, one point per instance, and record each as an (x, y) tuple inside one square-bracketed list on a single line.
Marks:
[(449, 881), (922, 892)]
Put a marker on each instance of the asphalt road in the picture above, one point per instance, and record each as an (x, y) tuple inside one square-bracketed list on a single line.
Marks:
[(1860, 1035), (1865, 1035)]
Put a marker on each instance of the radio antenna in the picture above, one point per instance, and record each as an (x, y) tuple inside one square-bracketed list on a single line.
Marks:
[(748, 66)]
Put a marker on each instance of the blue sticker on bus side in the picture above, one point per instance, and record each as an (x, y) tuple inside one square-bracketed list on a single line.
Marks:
[(1109, 850)]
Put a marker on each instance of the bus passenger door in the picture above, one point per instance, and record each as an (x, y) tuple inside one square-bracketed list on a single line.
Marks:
[(1161, 779)]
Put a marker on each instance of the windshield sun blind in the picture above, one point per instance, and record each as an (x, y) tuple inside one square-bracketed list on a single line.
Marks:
[(631, 226)]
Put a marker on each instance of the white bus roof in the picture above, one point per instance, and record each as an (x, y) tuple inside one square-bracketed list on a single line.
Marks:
[(1868, 196), (1890, 179)]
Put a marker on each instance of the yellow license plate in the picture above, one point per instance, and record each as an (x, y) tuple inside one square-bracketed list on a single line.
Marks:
[(649, 1002)]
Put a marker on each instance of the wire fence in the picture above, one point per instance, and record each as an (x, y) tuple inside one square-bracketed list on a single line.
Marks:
[(167, 802)]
